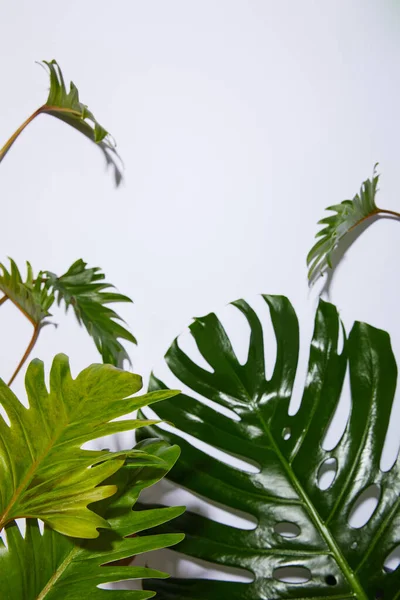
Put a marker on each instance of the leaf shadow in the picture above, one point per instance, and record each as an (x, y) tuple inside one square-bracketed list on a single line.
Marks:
[(340, 252)]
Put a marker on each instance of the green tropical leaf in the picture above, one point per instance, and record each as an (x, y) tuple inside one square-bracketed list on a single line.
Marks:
[(84, 290), (349, 214), (31, 296), (44, 473), (67, 107), (337, 560), (52, 566)]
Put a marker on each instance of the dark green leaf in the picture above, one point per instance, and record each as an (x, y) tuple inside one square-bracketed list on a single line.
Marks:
[(54, 567), (44, 473), (343, 562), (84, 290), (349, 214)]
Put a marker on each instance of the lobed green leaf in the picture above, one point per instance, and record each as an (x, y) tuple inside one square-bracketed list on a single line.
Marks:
[(44, 473), (288, 455), (63, 567)]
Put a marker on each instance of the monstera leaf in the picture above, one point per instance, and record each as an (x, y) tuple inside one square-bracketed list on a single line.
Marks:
[(84, 290), (334, 559), (44, 473), (67, 107), (52, 566)]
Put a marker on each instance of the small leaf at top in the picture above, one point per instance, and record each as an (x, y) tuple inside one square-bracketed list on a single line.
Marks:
[(84, 289), (66, 106), (349, 214)]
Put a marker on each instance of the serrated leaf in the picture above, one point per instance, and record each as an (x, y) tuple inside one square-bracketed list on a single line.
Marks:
[(83, 289), (66, 106), (52, 566), (349, 214), (31, 296), (44, 473), (337, 560)]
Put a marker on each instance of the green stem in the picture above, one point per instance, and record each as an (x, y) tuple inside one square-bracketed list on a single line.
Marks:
[(15, 135), (42, 109), (26, 353), (3, 299)]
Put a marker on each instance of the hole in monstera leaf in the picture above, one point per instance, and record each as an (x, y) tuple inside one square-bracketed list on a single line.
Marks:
[(286, 433), (5, 416), (172, 495), (229, 458), (364, 507), (261, 308), (392, 561), (287, 530), (165, 375), (187, 344), (327, 473), (330, 580), (40, 526), (391, 447), (238, 331), (292, 574), (339, 420), (180, 565), (340, 344), (354, 546)]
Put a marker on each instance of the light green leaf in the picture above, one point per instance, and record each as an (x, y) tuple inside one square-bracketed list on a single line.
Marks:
[(84, 290), (299, 524), (52, 566), (44, 473)]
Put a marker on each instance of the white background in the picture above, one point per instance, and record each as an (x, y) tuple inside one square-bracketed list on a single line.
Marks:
[(238, 122)]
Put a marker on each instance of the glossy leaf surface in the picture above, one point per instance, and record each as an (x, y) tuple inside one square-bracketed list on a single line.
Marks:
[(84, 289), (340, 561), (61, 567), (44, 473)]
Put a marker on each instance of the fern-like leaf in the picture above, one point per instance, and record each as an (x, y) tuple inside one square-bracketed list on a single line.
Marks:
[(348, 215), (84, 289), (66, 106)]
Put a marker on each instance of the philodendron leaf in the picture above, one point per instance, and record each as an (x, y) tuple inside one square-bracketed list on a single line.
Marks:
[(285, 495), (52, 566), (84, 290), (66, 106), (44, 473), (349, 214), (31, 296)]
